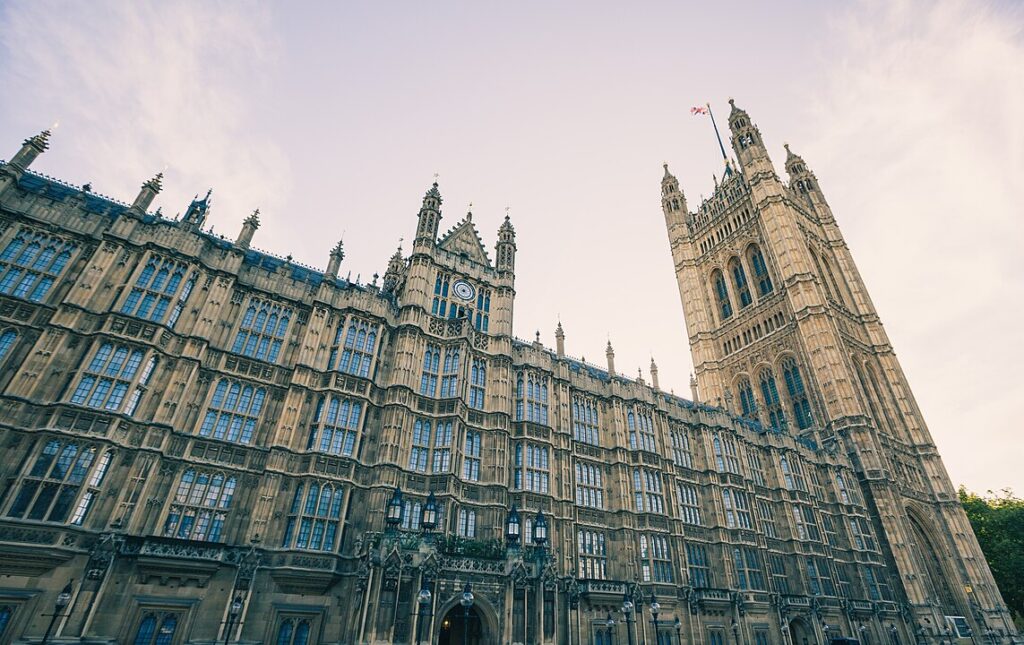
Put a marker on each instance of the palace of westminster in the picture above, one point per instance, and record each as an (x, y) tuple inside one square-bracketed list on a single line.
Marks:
[(204, 443)]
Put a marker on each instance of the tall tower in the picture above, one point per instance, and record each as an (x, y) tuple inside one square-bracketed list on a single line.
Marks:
[(782, 330)]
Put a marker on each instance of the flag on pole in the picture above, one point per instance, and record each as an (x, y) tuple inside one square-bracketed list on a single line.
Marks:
[(698, 110)]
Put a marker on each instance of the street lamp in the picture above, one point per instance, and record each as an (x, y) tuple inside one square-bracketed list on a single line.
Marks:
[(233, 611), (627, 610), (861, 630), (428, 517), (735, 632), (949, 634), (609, 624), (825, 630), (540, 529), (63, 598), (424, 602), (679, 631), (513, 528), (892, 635), (394, 511), (655, 609), (466, 601)]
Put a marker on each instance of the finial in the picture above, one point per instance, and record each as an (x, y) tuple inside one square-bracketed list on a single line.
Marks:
[(537, 336), (639, 374), (732, 102), (338, 248), (254, 218), (208, 193), (786, 146)]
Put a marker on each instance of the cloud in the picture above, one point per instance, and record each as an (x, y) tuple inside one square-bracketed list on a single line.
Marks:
[(917, 140), (141, 86)]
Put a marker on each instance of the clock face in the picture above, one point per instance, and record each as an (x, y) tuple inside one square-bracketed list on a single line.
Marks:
[(463, 290)]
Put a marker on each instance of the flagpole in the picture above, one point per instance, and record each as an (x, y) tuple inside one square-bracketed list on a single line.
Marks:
[(715, 125)]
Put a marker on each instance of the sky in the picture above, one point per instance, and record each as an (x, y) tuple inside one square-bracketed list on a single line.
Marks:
[(333, 119)]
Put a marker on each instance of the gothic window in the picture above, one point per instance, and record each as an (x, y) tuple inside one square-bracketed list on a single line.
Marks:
[(233, 412), (772, 404), (655, 558), (314, 517), (157, 628), (647, 494), (336, 429), (819, 579), (584, 419), (766, 514), (442, 458), (641, 429), (724, 447), (748, 405), (450, 374), (589, 485), (689, 504), (806, 524), (780, 579), (483, 308), (262, 330), (747, 565), (797, 394), (7, 342), (681, 453), (478, 384), (156, 287), (440, 304), (592, 557), (471, 456), (756, 471), (356, 342), (875, 582), (420, 445), (431, 367), (6, 612), (31, 263), (739, 278), (793, 473), (532, 468), (293, 631), (476, 311), (757, 263), (467, 523), (860, 535), (63, 481), (200, 506), (844, 493), (698, 566), (108, 377), (721, 295), (532, 398), (829, 529), (737, 509)]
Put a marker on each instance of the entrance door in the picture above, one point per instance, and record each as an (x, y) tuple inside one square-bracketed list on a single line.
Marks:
[(800, 633), (457, 628)]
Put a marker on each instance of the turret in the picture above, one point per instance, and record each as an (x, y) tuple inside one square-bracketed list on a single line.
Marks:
[(505, 249), (747, 143), (30, 149), (801, 180), (396, 272), (694, 394), (147, 193), (429, 217), (195, 216), (337, 255), (559, 339), (654, 374), (673, 201), (610, 353), (249, 226)]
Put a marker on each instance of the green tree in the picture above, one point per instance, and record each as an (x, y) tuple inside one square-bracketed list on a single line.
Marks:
[(998, 521)]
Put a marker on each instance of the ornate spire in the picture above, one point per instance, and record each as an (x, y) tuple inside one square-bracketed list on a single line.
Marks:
[(40, 142), (505, 249), (30, 149), (654, 374), (395, 275), (559, 339), (147, 193), (334, 263), (197, 211), (610, 355), (429, 216), (249, 226)]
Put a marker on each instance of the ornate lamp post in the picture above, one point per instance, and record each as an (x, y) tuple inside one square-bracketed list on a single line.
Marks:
[(679, 631), (655, 609), (393, 516), (63, 598), (233, 611), (825, 630), (736, 632), (513, 527), (428, 516), (423, 599), (609, 624), (540, 530), (861, 630), (467, 602), (627, 611), (893, 635)]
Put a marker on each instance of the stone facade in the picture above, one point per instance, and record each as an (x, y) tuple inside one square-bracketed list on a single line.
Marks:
[(204, 443)]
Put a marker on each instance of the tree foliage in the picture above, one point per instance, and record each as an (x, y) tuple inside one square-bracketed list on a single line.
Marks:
[(998, 521)]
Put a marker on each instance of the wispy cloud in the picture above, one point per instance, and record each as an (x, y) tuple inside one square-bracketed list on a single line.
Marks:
[(141, 86), (930, 206)]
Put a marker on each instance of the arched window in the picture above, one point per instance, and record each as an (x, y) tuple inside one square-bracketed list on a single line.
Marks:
[(431, 367), (772, 404), (262, 331), (739, 278), (200, 506), (293, 631), (721, 295), (6, 342), (748, 405), (31, 263), (233, 412), (65, 477), (155, 289), (105, 382), (797, 394), (314, 517), (356, 343), (757, 263), (335, 426), (156, 629)]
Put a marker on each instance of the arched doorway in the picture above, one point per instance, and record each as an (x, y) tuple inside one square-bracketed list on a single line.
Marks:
[(457, 627), (930, 565), (800, 633)]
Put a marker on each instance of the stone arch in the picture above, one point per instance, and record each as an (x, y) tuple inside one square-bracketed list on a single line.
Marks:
[(801, 632), (930, 555), (482, 611)]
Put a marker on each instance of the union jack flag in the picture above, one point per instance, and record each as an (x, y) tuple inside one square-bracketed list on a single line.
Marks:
[(698, 110)]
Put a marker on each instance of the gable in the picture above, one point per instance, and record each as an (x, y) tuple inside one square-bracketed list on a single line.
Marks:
[(464, 240)]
